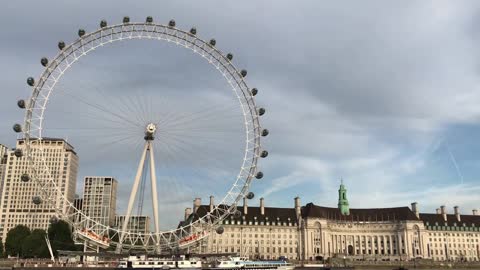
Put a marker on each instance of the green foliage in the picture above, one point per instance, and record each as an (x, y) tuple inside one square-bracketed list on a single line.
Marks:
[(2, 253), (60, 235), (35, 245), (15, 239)]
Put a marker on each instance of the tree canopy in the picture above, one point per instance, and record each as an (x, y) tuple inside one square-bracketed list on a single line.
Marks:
[(60, 236), (31, 244), (15, 239), (2, 254), (35, 246)]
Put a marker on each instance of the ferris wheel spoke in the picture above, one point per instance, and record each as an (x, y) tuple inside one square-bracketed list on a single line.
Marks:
[(184, 150), (118, 101), (90, 117), (197, 144), (101, 108), (205, 114)]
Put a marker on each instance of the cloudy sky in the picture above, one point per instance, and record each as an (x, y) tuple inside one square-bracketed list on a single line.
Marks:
[(384, 95)]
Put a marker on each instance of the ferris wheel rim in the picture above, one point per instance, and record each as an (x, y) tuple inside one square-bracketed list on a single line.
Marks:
[(237, 191)]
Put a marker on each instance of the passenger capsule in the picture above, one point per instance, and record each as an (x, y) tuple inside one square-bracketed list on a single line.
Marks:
[(229, 56), (25, 177), (213, 42), (243, 73), (81, 32), (259, 175), (171, 23), (17, 128), (36, 200), (18, 153), (193, 31), (264, 154), (103, 24), (149, 19), (21, 104), (261, 111), (237, 214), (220, 230), (61, 45), (44, 61), (126, 19), (254, 91), (265, 132), (30, 81), (250, 195)]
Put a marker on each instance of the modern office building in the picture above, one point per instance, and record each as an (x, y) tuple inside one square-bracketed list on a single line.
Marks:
[(136, 224), (78, 204), (17, 206), (3, 166)]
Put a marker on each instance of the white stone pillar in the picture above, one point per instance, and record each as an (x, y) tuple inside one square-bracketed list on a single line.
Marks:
[(390, 244)]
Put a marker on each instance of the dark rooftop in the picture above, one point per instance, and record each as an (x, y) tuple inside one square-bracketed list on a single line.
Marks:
[(367, 214), (437, 220), (272, 214)]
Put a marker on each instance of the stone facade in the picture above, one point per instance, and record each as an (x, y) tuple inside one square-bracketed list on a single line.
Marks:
[(314, 233)]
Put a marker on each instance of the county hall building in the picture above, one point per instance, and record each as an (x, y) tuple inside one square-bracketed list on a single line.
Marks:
[(313, 232)]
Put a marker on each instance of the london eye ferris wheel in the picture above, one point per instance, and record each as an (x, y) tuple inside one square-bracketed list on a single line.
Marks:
[(182, 147)]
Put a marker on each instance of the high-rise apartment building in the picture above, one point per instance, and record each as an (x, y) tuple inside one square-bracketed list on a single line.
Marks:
[(100, 199), (78, 204), (136, 224), (17, 206)]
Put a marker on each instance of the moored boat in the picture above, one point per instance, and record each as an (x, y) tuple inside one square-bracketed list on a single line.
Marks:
[(244, 263), (143, 262)]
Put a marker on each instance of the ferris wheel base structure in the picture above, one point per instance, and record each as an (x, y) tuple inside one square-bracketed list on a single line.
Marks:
[(90, 230)]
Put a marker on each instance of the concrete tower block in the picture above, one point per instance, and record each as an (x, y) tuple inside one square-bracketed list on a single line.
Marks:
[(475, 212)]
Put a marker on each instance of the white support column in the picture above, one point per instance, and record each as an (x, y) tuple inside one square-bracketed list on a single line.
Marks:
[(133, 195), (153, 178)]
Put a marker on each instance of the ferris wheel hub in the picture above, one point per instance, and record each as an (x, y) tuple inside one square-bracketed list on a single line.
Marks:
[(150, 130)]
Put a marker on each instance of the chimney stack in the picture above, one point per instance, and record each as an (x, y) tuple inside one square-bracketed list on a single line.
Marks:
[(297, 206), (188, 211), (245, 205), (415, 209), (211, 203), (262, 206), (196, 204), (438, 211), (443, 210), (475, 212), (456, 210)]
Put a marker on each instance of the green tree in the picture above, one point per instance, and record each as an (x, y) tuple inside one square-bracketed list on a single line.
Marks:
[(60, 235), (2, 254), (15, 238), (34, 246)]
